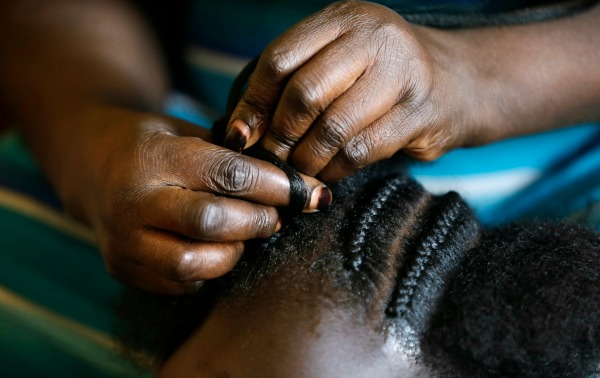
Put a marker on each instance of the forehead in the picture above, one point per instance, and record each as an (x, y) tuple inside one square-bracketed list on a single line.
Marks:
[(269, 341), (298, 322)]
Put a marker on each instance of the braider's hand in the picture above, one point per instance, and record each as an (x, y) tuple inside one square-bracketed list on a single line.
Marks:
[(169, 208), (349, 86)]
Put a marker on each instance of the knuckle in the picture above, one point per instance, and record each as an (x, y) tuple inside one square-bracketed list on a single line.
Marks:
[(357, 154), (278, 62), (335, 130), (306, 94), (181, 266), (263, 223), (210, 220), (428, 154), (234, 175), (385, 28), (285, 140), (429, 145)]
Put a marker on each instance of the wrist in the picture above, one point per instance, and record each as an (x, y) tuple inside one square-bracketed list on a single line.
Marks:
[(516, 80), (458, 100), (68, 155)]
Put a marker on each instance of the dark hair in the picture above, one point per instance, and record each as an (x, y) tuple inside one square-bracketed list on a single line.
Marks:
[(525, 303), (519, 300)]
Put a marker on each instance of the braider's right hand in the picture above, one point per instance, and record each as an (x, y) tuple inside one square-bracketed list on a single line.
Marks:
[(170, 209)]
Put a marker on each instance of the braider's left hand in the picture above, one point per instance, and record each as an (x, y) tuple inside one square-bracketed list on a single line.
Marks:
[(351, 85)]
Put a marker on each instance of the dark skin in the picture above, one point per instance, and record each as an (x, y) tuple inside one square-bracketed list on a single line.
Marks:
[(518, 301), (304, 342), (170, 209), (297, 323), (355, 83)]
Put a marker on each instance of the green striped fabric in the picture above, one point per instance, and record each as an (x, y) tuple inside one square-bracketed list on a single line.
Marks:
[(55, 295)]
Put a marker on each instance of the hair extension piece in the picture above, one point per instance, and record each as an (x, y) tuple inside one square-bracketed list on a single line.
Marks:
[(298, 190)]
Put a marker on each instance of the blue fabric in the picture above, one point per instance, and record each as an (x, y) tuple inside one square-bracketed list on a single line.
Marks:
[(546, 175), (180, 106)]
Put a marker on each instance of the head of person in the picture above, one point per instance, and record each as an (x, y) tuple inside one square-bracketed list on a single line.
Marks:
[(390, 282)]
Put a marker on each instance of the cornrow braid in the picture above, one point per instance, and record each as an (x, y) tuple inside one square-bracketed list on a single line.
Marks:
[(432, 241), (368, 219), (378, 220), (447, 232)]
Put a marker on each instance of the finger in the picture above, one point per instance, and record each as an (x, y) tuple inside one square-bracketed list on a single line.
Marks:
[(201, 166), (140, 277), (180, 259), (310, 91), (379, 141), (361, 105), (208, 217), (279, 60)]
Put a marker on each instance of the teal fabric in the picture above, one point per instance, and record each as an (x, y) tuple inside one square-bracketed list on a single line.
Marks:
[(561, 170), (19, 171), (27, 351), (212, 88), (71, 272), (56, 271)]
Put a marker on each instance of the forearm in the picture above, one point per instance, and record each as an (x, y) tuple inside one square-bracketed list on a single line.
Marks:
[(529, 78), (61, 58)]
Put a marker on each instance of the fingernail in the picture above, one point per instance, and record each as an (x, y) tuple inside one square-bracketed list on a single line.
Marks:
[(236, 137), (320, 199), (278, 225), (324, 199)]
